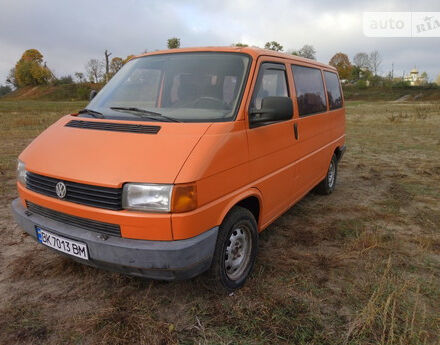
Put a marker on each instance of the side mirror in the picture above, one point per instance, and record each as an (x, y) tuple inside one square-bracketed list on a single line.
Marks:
[(272, 109), (92, 94)]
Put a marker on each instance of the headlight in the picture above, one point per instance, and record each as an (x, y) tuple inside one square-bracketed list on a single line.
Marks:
[(159, 197), (147, 197), (21, 172)]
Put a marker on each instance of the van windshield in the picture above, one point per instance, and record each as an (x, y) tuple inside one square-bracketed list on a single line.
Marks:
[(183, 87)]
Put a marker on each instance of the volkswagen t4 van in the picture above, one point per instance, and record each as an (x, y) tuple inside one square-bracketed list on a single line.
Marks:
[(181, 160)]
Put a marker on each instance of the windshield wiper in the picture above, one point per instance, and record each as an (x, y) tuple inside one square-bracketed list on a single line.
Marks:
[(94, 113), (148, 114)]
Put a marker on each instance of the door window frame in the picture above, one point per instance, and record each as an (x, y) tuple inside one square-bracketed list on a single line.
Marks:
[(274, 64)]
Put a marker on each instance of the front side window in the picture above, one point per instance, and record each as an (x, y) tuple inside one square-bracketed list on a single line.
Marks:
[(309, 90), (188, 87), (271, 82), (333, 90)]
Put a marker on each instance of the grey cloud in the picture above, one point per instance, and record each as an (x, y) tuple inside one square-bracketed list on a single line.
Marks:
[(69, 33)]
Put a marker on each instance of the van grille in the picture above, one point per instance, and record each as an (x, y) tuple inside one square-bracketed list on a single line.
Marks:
[(114, 127), (88, 224), (90, 195)]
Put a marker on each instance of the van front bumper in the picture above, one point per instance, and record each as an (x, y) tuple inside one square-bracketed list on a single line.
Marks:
[(164, 260)]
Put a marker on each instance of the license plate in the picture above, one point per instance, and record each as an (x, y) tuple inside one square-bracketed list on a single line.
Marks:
[(62, 244)]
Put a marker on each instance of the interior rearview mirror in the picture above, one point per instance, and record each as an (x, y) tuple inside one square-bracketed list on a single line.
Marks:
[(272, 109)]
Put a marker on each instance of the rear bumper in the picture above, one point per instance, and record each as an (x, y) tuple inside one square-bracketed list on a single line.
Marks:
[(164, 260)]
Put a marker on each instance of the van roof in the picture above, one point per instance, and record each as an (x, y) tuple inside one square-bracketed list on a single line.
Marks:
[(255, 52)]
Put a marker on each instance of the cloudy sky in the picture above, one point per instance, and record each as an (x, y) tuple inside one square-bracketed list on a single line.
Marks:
[(70, 32)]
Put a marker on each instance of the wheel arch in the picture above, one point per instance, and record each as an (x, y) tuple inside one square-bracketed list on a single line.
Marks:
[(251, 200), (338, 152)]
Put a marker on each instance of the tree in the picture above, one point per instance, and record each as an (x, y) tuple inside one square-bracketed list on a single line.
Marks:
[(358, 73), (128, 58), (94, 70), (4, 90), (107, 65), (32, 55), (242, 45), (375, 61), (10, 79), (307, 51), (67, 79), (437, 81), (342, 63), (274, 45), (173, 43), (115, 65), (362, 61), (30, 70), (79, 76)]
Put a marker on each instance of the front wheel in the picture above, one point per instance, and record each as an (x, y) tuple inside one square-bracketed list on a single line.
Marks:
[(327, 185), (236, 249)]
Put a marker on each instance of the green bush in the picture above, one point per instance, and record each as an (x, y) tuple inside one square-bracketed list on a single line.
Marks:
[(401, 85), (361, 84), (66, 80), (4, 90), (83, 92)]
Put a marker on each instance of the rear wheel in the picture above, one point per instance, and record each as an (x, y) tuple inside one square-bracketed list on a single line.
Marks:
[(328, 184), (236, 249)]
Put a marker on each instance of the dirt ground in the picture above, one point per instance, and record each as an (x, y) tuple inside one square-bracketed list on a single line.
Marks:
[(361, 266)]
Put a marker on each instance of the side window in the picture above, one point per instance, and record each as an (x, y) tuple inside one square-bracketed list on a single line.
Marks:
[(309, 90), (271, 81), (333, 90)]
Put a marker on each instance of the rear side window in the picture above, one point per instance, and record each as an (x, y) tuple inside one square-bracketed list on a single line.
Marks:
[(333, 90), (272, 81), (309, 90)]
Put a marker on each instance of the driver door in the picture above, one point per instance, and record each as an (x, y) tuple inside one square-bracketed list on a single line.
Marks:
[(271, 145)]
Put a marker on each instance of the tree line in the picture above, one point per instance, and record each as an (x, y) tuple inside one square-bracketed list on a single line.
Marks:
[(32, 70)]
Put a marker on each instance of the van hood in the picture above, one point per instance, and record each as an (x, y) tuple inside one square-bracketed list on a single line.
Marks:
[(111, 158)]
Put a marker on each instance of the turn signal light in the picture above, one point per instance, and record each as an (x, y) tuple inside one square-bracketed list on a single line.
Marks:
[(184, 198)]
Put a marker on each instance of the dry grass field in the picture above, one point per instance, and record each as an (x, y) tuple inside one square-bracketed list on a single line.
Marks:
[(361, 266)]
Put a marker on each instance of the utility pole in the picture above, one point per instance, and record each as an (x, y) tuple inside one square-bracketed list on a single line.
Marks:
[(107, 64)]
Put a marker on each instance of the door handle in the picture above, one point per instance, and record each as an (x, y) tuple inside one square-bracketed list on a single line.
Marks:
[(295, 130)]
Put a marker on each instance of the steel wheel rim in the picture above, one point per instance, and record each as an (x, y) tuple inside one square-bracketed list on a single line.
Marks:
[(238, 252), (331, 174)]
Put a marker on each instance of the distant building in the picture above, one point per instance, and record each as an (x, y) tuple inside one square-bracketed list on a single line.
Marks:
[(414, 78)]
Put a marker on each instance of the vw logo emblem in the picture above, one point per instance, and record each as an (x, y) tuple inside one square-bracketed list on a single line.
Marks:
[(61, 189)]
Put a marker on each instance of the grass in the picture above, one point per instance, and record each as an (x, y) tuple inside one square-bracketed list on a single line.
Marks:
[(419, 94), (361, 266)]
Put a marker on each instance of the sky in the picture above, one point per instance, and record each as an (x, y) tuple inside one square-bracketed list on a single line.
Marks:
[(70, 32)]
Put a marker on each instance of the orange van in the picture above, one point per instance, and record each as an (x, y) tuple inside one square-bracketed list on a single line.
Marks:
[(181, 160)]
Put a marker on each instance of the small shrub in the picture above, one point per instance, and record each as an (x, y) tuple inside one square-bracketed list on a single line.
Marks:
[(83, 92), (4, 90), (63, 80), (361, 84), (421, 113), (401, 85)]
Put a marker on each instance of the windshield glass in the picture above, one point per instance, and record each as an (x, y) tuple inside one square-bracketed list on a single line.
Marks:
[(186, 87)]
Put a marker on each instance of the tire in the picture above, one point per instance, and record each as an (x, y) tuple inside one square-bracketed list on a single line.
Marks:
[(328, 184), (237, 235)]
